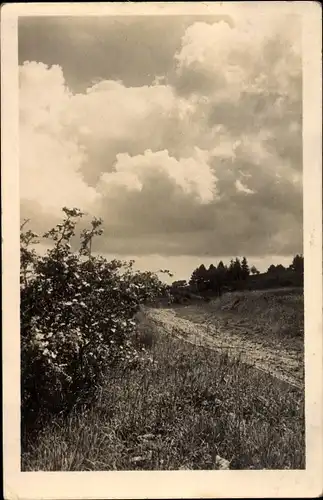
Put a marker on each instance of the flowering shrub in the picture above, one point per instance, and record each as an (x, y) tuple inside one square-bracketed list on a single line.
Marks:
[(77, 315)]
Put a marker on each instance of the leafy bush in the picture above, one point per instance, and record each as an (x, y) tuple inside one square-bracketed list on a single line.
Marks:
[(77, 315)]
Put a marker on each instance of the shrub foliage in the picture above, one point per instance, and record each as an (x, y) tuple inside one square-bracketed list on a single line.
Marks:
[(77, 315)]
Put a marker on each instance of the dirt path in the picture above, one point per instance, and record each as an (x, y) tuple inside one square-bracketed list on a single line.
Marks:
[(286, 365)]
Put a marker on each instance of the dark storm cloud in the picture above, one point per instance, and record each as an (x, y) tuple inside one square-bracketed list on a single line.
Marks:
[(133, 49)]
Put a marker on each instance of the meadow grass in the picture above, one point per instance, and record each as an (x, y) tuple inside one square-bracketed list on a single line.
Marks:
[(179, 409)]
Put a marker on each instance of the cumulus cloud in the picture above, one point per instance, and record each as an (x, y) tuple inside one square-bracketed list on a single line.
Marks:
[(192, 176), (118, 119), (242, 188), (50, 160), (253, 56), (206, 159)]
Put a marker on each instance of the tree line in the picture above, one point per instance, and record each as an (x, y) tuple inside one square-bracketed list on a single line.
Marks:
[(218, 278)]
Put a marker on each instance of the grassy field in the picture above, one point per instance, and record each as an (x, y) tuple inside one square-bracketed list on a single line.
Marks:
[(275, 317), (183, 408)]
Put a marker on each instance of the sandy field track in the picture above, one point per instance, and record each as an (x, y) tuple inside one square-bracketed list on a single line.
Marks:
[(228, 336)]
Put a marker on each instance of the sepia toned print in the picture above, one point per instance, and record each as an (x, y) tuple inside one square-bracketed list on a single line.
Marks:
[(164, 262)]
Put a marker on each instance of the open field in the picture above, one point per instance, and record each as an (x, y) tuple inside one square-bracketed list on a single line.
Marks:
[(191, 407)]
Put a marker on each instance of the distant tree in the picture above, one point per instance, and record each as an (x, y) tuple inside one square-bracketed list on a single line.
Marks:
[(298, 264), (179, 283), (222, 271), (271, 269), (212, 274), (276, 269), (237, 270), (230, 271), (254, 270), (214, 282), (204, 277), (193, 282), (200, 280), (245, 271), (221, 266), (211, 269), (222, 276)]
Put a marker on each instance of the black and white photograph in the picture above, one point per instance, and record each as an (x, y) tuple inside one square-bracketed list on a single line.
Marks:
[(163, 248)]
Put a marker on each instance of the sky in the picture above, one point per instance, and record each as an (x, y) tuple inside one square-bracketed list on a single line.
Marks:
[(183, 133)]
